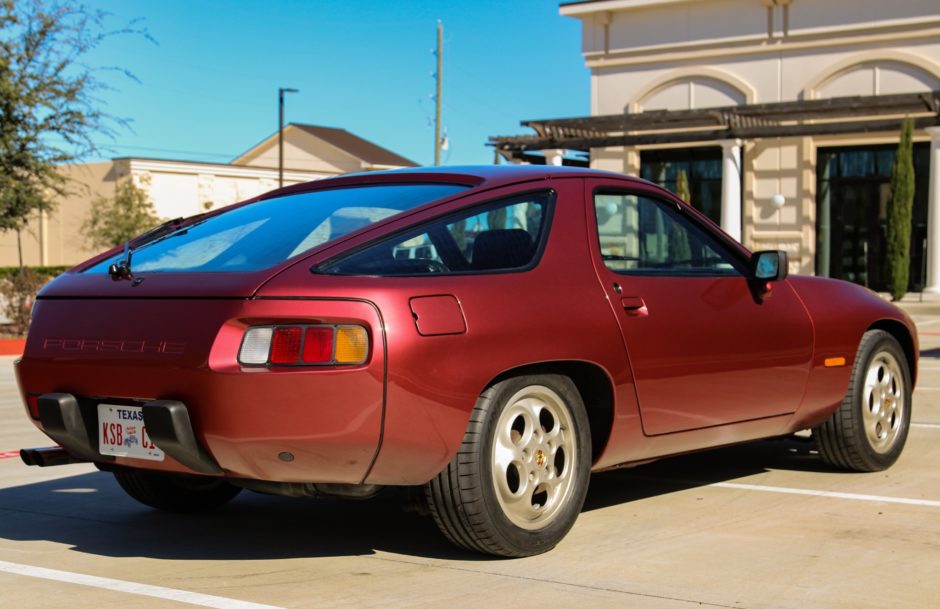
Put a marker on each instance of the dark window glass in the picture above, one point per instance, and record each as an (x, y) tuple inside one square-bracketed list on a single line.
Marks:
[(639, 235), (501, 237), (260, 235), (702, 168), (853, 187)]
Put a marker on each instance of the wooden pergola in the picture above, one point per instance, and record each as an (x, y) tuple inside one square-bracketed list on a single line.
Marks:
[(840, 115)]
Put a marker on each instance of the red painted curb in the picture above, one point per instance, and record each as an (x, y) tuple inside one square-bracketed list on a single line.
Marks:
[(12, 346)]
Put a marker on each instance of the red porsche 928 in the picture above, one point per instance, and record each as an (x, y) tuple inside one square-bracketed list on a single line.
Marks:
[(488, 335)]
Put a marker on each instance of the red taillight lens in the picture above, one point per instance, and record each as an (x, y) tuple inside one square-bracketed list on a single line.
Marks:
[(318, 345), (32, 402), (285, 345)]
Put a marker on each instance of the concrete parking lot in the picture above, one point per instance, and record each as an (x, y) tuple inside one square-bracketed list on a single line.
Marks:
[(764, 525)]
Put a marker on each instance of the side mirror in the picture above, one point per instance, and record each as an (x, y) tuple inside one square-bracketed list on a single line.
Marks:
[(769, 265)]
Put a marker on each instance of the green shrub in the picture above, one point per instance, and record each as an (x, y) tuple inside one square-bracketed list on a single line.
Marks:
[(19, 293), (47, 272), (18, 287)]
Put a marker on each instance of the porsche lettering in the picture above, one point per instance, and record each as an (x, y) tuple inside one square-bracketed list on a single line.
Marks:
[(97, 345)]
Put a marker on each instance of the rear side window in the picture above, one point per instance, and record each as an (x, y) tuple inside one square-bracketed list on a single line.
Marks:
[(263, 234), (499, 237)]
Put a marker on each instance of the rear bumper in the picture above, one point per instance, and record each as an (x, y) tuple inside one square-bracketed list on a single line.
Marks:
[(167, 423)]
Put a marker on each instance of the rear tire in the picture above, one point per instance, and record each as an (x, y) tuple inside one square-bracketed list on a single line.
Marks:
[(175, 492), (868, 431), (518, 481)]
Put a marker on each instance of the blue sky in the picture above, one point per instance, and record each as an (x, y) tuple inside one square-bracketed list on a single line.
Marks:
[(208, 86)]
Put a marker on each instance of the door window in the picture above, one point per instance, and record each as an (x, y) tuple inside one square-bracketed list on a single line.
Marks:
[(640, 235)]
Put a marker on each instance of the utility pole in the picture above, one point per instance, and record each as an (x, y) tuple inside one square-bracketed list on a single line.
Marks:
[(440, 77), (280, 133)]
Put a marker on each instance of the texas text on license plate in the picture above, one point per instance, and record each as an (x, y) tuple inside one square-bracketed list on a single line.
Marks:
[(121, 433)]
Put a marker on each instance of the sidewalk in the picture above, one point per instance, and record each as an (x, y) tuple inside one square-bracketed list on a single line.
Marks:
[(920, 309)]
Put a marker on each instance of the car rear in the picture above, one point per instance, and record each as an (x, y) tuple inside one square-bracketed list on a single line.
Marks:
[(177, 366)]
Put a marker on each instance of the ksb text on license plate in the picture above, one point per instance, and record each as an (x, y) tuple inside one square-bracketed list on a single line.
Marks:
[(121, 433)]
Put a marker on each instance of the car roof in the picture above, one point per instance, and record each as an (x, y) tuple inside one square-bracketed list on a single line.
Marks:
[(470, 175)]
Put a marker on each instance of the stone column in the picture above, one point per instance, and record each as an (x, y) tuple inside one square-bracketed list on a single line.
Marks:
[(731, 187), (933, 214)]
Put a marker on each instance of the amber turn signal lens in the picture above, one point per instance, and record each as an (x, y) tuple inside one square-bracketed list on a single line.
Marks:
[(834, 362), (352, 345)]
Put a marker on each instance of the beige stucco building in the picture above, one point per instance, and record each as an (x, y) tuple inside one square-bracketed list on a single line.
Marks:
[(184, 188), (783, 113)]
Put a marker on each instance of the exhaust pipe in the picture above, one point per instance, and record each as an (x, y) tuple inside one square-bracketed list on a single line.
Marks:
[(48, 456)]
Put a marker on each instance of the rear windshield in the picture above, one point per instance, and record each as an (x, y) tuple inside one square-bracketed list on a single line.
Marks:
[(263, 234)]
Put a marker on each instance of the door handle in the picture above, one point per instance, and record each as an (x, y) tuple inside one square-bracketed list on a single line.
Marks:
[(634, 306)]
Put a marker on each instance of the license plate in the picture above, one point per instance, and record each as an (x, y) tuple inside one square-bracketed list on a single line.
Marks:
[(121, 433)]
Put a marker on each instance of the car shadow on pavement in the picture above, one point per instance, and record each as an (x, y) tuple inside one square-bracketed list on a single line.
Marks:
[(935, 352), (91, 514), (702, 469)]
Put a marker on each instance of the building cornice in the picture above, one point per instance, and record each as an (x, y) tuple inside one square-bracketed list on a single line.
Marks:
[(580, 9), (904, 30), (229, 171)]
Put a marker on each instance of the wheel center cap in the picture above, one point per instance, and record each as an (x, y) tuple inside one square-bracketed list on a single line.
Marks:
[(540, 458)]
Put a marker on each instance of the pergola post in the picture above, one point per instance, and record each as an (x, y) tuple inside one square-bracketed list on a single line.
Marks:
[(554, 156), (731, 187)]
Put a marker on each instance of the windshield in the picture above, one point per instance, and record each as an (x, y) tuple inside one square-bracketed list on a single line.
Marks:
[(263, 234)]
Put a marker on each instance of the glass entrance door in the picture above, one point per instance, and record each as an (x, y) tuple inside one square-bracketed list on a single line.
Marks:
[(853, 186), (702, 167)]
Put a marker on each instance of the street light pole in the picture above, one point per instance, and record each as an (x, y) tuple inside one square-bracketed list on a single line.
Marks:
[(280, 133)]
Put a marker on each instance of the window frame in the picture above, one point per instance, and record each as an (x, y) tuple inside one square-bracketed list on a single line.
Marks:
[(426, 226), (684, 215)]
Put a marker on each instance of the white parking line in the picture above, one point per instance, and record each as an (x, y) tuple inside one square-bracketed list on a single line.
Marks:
[(926, 425), (920, 388), (834, 495), (117, 585)]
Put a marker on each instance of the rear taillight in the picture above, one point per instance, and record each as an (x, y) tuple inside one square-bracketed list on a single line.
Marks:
[(32, 402), (304, 345)]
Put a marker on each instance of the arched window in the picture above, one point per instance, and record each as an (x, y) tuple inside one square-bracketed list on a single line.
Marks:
[(695, 87), (875, 73)]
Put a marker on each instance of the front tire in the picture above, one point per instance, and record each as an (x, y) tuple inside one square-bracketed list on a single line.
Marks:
[(175, 492), (518, 481), (868, 431)]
